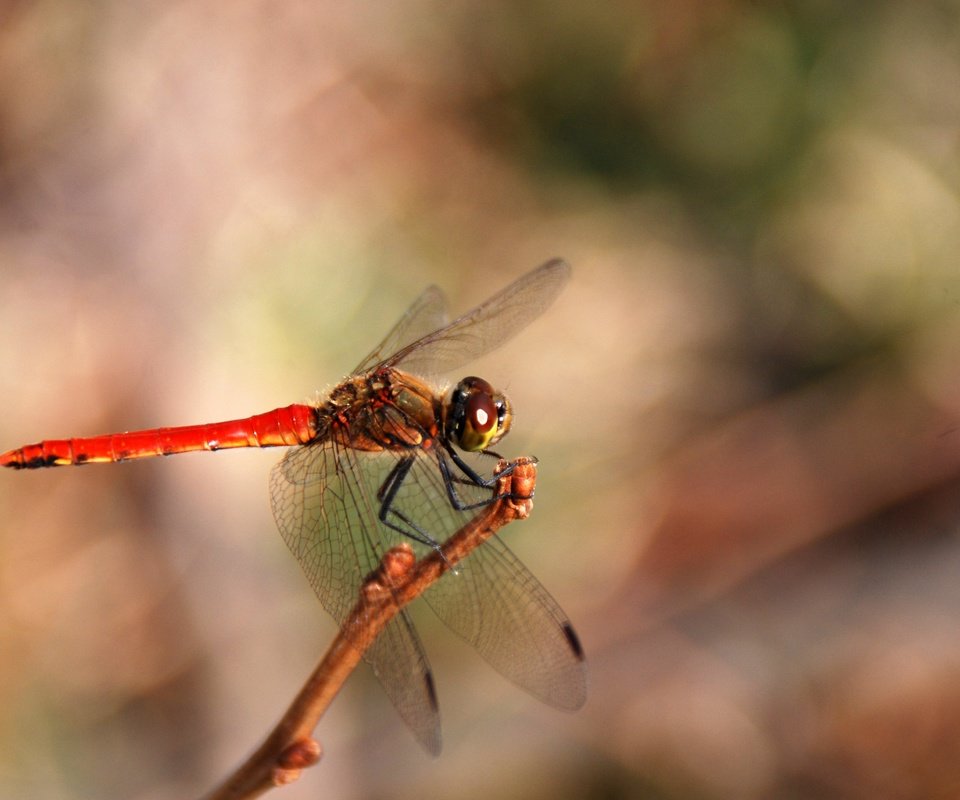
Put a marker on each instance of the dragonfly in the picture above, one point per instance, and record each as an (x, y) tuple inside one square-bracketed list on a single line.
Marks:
[(388, 456)]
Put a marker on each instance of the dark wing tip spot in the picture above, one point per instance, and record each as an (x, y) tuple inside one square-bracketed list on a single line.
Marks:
[(431, 691), (573, 640), (431, 740)]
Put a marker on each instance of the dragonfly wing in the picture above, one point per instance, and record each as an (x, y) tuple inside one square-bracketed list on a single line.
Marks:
[(407, 680), (487, 326), (493, 601), (427, 313), (324, 502)]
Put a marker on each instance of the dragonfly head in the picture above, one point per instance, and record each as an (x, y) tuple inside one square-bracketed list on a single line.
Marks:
[(476, 415)]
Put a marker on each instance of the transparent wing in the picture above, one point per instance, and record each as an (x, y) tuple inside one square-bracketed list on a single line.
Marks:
[(324, 502), (496, 604), (427, 314), (493, 601), (324, 499), (479, 331)]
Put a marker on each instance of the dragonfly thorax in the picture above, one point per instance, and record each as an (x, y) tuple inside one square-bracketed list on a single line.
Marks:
[(476, 416), (385, 410)]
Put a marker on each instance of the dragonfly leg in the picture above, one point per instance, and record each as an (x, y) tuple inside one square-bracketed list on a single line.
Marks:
[(387, 514), (470, 478)]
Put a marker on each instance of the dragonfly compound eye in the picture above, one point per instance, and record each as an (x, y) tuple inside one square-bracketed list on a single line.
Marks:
[(480, 416)]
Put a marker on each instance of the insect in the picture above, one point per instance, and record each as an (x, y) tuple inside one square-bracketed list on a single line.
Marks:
[(383, 458)]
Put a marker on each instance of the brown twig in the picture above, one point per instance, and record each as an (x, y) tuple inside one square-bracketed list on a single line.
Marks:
[(290, 747)]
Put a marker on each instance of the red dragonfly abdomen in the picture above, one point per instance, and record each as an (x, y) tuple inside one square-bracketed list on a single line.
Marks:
[(291, 425)]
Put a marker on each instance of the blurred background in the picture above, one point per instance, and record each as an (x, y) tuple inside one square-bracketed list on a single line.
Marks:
[(746, 404)]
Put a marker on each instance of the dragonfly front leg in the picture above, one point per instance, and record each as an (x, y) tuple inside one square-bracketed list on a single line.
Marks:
[(470, 478)]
